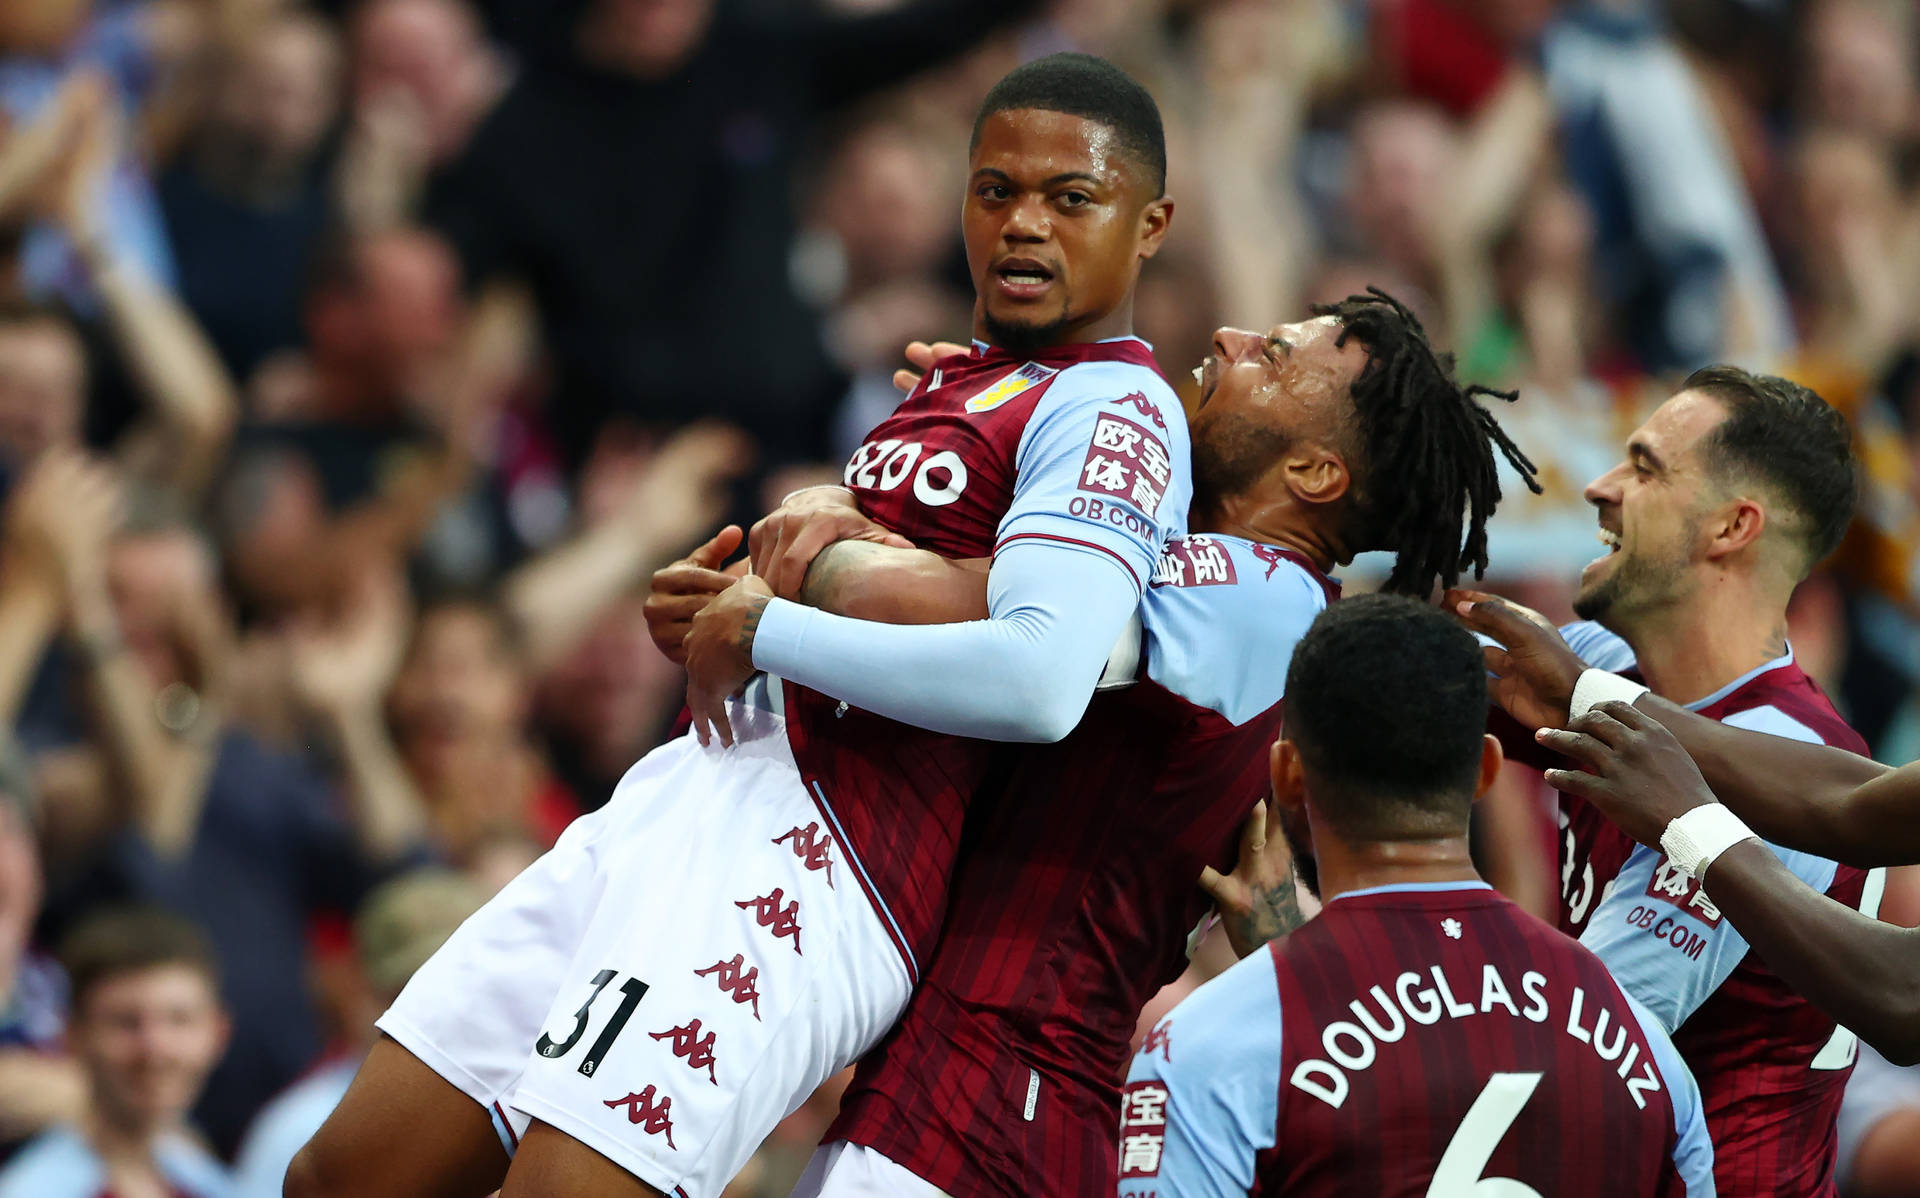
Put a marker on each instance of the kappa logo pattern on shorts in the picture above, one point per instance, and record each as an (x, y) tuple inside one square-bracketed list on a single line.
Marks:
[(681, 1041)]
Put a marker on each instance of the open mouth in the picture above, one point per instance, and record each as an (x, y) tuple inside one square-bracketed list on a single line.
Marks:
[(1023, 276), (1611, 539)]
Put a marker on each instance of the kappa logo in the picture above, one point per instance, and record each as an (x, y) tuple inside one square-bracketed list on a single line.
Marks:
[(652, 1119), (1141, 404), (769, 914), (742, 987), (690, 1044), (1161, 1037), (811, 847), (1024, 379), (1274, 556)]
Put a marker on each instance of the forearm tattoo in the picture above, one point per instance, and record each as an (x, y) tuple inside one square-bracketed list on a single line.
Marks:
[(832, 568), (750, 624)]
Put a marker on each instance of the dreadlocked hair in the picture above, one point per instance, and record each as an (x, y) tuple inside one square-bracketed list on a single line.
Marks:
[(1426, 453)]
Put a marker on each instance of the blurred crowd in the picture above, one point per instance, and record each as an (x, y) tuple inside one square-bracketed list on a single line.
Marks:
[(360, 359)]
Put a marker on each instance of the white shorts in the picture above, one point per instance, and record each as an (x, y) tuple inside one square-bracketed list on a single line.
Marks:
[(684, 968), (844, 1170)]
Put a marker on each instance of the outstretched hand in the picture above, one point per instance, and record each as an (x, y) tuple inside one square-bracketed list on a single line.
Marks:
[(1533, 668), (1636, 772)]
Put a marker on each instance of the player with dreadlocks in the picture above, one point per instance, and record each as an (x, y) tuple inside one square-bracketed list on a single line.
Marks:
[(1075, 889)]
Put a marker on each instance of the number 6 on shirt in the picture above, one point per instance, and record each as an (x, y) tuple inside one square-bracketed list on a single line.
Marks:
[(1458, 1174)]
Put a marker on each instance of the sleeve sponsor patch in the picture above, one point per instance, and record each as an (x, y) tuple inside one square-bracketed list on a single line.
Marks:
[(1194, 562), (1143, 1128), (1126, 462), (1670, 885)]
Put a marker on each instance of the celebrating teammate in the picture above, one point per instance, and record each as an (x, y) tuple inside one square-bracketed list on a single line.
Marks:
[(1423, 1035), (738, 923), (1074, 897), (1643, 767), (1730, 493)]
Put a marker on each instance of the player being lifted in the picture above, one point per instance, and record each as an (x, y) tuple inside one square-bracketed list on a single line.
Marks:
[(737, 924), (1072, 903), (1423, 1035), (1729, 495)]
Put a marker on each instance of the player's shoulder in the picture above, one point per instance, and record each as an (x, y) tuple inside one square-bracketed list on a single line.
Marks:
[(1203, 560), (1782, 700), (1598, 647), (1210, 1030), (1222, 617)]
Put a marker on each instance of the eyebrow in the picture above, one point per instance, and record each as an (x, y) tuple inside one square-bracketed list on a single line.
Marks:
[(1051, 181), (1639, 449)]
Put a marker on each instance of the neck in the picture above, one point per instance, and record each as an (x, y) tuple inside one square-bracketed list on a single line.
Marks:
[(120, 1139), (1346, 867), (1689, 651), (1283, 521), (1117, 323)]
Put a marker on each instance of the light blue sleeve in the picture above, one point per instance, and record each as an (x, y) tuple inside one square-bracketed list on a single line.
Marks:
[(1220, 624), (1025, 673), (1693, 1150), (1663, 939), (1103, 464), (1202, 1100), (1597, 647)]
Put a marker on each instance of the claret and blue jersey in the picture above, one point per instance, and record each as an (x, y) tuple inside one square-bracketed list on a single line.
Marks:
[(1414, 1040)]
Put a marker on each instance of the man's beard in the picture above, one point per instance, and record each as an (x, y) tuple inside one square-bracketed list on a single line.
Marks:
[(1024, 338), (1229, 455), (1306, 869), (1636, 584)]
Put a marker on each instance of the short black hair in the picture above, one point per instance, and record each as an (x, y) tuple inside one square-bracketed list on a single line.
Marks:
[(1792, 442), (1426, 449), (1088, 87), (1387, 704), (117, 941)]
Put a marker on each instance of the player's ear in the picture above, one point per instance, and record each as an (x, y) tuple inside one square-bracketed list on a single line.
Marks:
[(1316, 473), (1154, 221), (1491, 759), (1289, 780), (1737, 527)]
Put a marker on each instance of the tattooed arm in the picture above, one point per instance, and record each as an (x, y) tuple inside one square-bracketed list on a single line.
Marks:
[(1259, 901)]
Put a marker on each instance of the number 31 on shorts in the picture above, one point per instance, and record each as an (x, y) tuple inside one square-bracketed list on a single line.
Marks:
[(631, 992)]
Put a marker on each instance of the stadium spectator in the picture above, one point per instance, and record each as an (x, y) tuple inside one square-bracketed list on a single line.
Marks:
[(363, 444), (146, 1027), (200, 815), (424, 77), (398, 927), (643, 287), (247, 200), (188, 403), (39, 1082)]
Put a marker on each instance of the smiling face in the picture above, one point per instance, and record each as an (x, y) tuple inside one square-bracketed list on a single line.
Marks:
[(1261, 392), (1058, 218), (147, 1040), (1650, 508)]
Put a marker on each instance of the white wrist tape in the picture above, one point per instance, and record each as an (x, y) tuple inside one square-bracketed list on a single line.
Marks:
[(1693, 840), (1598, 686)]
